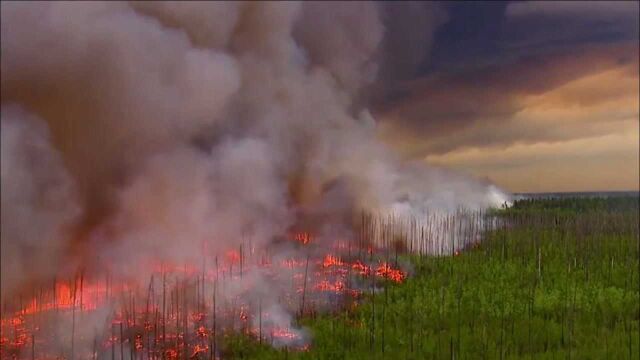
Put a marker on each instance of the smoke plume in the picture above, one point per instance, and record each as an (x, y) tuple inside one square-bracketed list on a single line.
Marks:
[(140, 131), (38, 200)]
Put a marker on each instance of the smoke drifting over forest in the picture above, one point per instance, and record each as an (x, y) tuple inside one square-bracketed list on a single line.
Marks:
[(136, 132)]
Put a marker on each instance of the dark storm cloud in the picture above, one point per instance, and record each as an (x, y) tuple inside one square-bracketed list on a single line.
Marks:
[(488, 56), (445, 102), (538, 26), (470, 37), (410, 27)]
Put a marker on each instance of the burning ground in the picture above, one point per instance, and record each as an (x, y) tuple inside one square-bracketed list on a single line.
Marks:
[(155, 155), (190, 309)]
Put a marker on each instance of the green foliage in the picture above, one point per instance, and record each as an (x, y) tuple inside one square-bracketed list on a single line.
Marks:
[(576, 205), (556, 279)]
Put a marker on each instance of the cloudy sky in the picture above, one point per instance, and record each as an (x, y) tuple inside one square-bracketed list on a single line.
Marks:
[(535, 96)]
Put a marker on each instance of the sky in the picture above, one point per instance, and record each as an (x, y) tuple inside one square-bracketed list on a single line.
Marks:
[(534, 96)]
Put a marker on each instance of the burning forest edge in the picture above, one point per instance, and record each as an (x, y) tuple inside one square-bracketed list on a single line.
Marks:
[(214, 179), (184, 310), (363, 297)]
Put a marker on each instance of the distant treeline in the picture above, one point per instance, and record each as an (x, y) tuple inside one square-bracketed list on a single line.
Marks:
[(577, 204)]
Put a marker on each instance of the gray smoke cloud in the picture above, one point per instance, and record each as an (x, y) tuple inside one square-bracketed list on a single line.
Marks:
[(39, 203), (146, 130)]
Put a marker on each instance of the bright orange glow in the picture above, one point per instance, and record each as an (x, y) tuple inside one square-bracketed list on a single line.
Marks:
[(233, 256), (325, 285), (331, 260), (303, 237), (199, 349), (386, 271), (171, 354), (361, 268), (138, 320)]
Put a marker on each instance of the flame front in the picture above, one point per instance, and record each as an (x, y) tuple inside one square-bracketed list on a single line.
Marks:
[(185, 309)]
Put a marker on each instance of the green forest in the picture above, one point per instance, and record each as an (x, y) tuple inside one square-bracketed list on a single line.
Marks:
[(557, 278)]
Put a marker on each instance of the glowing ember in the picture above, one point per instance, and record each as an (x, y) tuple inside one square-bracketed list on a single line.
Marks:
[(361, 268), (202, 332), (197, 317), (170, 315), (386, 271), (138, 342), (171, 354), (325, 285), (284, 333), (233, 256), (303, 237), (292, 263), (243, 314), (331, 260), (199, 349)]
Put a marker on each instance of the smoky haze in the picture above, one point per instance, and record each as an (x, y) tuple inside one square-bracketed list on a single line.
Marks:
[(143, 130)]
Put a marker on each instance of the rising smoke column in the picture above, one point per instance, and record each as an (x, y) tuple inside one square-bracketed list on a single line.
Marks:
[(39, 203), (183, 124)]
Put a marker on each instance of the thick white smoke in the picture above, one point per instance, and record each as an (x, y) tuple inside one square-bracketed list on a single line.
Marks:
[(191, 125)]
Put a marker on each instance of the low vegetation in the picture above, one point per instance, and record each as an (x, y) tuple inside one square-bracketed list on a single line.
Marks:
[(554, 279)]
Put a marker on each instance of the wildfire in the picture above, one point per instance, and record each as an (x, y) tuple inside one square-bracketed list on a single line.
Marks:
[(331, 260), (171, 354), (303, 237), (172, 311), (232, 256), (324, 285), (284, 333), (386, 271), (244, 316), (202, 332), (198, 317), (292, 263), (361, 268), (199, 349)]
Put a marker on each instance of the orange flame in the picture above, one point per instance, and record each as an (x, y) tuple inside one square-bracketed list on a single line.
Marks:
[(331, 260), (386, 271), (303, 237)]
